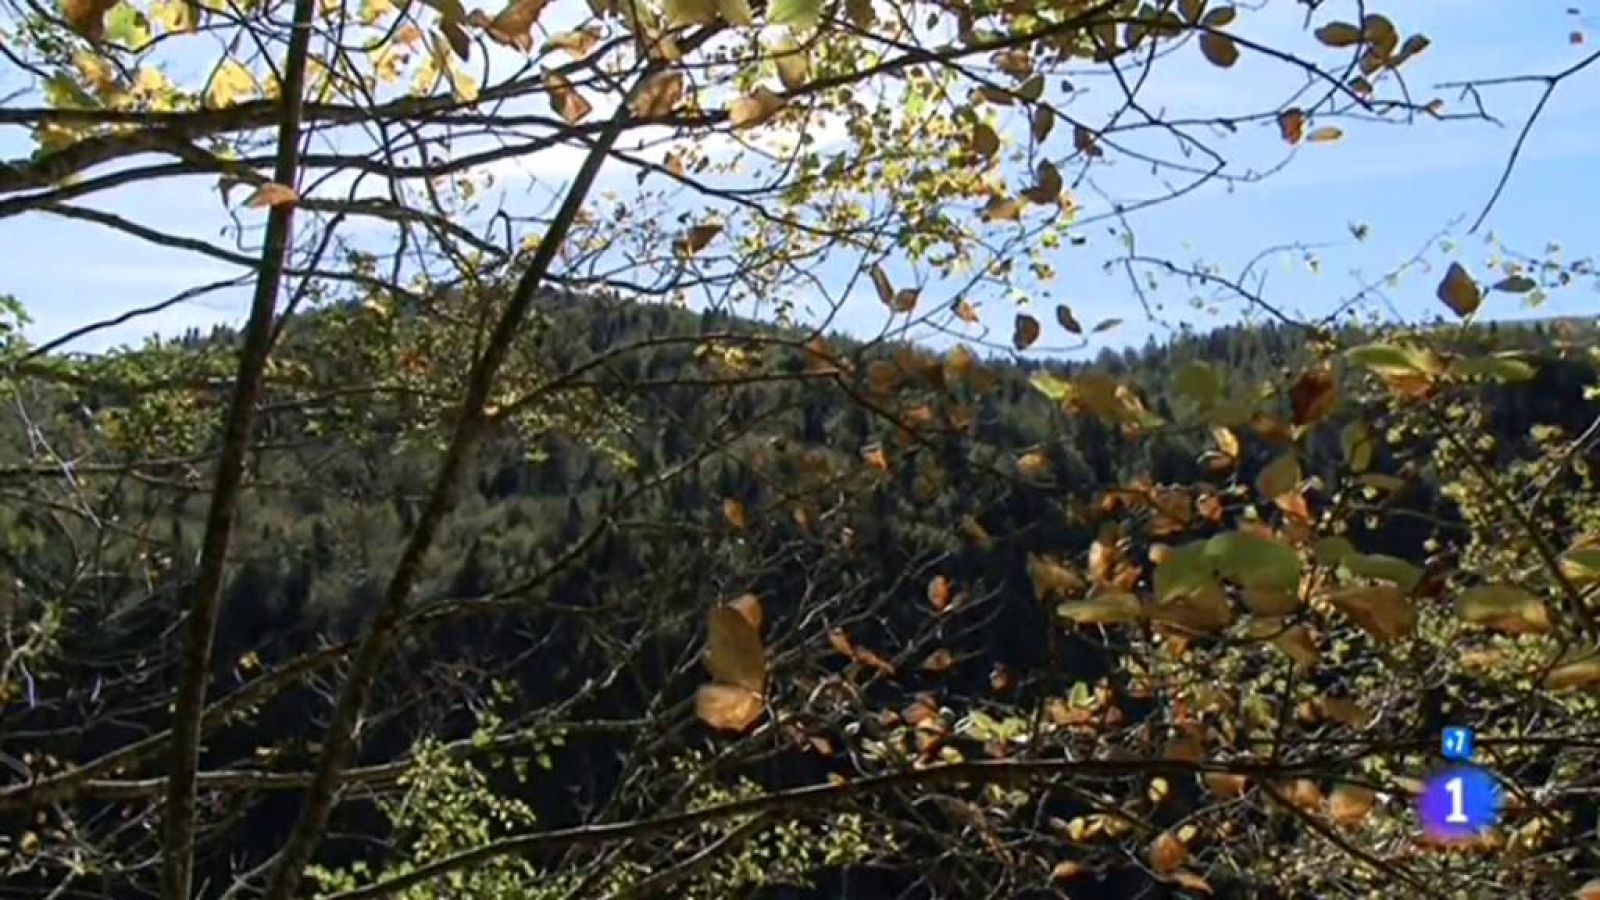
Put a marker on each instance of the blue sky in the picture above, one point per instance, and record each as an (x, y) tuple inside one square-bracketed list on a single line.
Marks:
[(1405, 183)]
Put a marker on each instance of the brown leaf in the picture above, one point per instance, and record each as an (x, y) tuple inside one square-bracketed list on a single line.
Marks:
[(1382, 610), (87, 17), (1067, 870), (271, 194), (1459, 291), (874, 457), (1226, 441), (1065, 318), (1313, 396), (456, 37), (754, 108), (658, 96), (983, 140), (1292, 125), (565, 99), (1324, 135), (1219, 49), (727, 707), (1226, 785), (733, 511), (966, 313), (1001, 208), (939, 661), (1299, 645), (513, 25), (1034, 465), (1350, 804), (1044, 119), (1025, 331), (734, 653), (939, 593), (1083, 140), (578, 43), (1167, 853)]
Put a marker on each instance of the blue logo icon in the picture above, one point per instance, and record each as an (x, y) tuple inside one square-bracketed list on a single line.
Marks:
[(1457, 744), (1459, 804)]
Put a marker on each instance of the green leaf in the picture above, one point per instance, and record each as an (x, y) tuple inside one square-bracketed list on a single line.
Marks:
[(1102, 608), (1498, 368), (1384, 568), (1057, 389), (1199, 382), (1388, 358), (1281, 476), (798, 14), (127, 26), (1355, 439), (1516, 284), (1504, 607), (1185, 570), (1254, 562), (1581, 565), (1330, 551)]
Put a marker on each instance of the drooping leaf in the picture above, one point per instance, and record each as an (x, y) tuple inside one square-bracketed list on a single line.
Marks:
[(1292, 125), (565, 99), (271, 194), (1250, 560), (1066, 320), (1459, 292), (1279, 477), (1219, 49), (1313, 396), (797, 14), (1339, 34), (1025, 330), (1403, 574), (658, 96), (1381, 610), (513, 25), (1506, 608), (1102, 607), (754, 108)]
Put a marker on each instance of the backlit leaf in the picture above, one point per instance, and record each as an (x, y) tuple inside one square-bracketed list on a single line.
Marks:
[(1459, 292), (1105, 607), (798, 14), (271, 194), (1250, 560), (578, 43), (727, 707), (1292, 125), (1381, 610), (565, 99), (1506, 608), (513, 25), (1350, 804), (734, 654), (733, 511), (1167, 853), (87, 17), (754, 108), (1339, 34), (658, 96)]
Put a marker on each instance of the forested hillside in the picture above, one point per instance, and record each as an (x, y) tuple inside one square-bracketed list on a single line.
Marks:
[(917, 527)]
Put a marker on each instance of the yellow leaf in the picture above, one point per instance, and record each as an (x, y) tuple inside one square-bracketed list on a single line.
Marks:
[(271, 194), (1459, 292), (1339, 34), (1325, 135), (1382, 610), (176, 16), (794, 66), (658, 96), (1219, 49), (690, 12), (736, 12), (1033, 464), (565, 99), (231, 83), (1577, 672), (754, 108)]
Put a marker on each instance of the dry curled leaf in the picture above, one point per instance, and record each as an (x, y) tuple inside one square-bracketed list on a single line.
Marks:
[(737, 661), (513, 25), (658, 96), (271, 194), (1025, 331), (1292, 125), (565, 99)]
